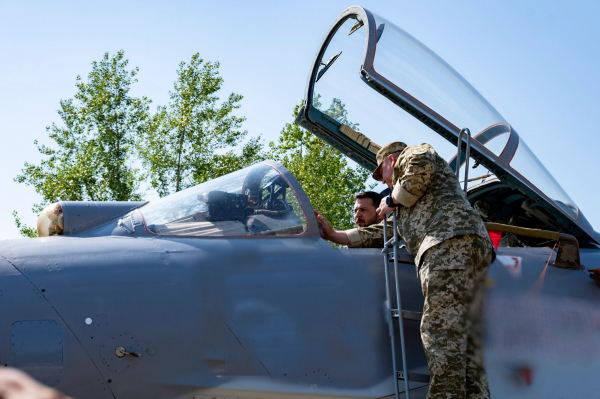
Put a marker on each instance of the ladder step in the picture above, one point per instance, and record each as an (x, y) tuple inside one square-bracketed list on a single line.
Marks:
[(403, 257), (408, 315), (414, 377)]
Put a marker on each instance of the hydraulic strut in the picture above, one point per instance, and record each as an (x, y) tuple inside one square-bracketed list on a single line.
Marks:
[(464, 132)]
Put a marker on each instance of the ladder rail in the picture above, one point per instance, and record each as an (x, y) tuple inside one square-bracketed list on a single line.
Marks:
[(399, 303), (388, 298), (395, 243)]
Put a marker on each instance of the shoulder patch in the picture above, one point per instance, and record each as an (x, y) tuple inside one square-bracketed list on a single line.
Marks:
[(419, 149)]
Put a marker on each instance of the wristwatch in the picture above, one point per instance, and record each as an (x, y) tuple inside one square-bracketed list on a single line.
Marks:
[(388, 202)]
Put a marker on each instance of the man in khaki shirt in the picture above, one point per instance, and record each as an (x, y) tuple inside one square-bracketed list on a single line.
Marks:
[(365, 210)]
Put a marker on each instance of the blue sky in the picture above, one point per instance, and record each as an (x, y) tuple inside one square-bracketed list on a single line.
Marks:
[(535, 61)]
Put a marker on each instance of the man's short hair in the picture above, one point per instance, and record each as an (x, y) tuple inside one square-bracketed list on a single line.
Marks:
[(375, 197)]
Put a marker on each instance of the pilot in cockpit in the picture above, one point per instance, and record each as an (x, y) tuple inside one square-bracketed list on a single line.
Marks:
[(255, 201)]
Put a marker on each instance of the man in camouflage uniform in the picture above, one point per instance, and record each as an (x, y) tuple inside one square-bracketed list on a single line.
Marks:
[(452, 252)]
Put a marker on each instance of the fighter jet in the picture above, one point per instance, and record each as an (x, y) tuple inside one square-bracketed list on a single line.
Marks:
[(226, 290)]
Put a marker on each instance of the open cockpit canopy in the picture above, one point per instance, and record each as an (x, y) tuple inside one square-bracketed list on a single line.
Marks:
[(372, 83)]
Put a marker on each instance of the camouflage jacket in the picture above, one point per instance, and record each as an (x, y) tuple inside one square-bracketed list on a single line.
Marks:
[(434, 207)]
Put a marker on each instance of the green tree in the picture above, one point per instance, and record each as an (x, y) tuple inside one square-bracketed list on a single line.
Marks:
[(182, 143), (91, 159), (24, 230), (323, 171)]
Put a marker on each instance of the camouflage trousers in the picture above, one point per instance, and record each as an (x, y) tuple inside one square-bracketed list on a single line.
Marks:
[(452, 275)]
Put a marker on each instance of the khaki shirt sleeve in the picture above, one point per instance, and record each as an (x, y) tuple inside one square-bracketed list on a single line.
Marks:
[(370, 236), (413, 174), (354, 237)]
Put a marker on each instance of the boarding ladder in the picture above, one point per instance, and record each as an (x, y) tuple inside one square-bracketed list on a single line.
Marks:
[(392, 245)]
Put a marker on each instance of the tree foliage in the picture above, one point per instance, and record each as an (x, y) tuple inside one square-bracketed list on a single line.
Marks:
[(24, 230), (93, 147), (194, 138), (181, 146), (323, 171)]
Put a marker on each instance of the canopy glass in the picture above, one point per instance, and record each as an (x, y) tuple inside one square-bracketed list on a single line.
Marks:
[(255, 201), (417, 70), (525, 162), (342, 95), (434, 86)]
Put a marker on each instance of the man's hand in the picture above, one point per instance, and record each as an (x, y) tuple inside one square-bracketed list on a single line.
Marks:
[(383, 208), (324, 226), (14, 384), (328, 233)]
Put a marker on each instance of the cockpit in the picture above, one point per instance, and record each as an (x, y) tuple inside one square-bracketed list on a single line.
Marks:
[(372, 83), (255, 201)]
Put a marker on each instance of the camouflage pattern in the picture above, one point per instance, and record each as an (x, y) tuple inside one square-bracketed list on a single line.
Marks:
[(434, 209), (438, 209), (452, 276), (452, 252), (383, 153), (370, 236)]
